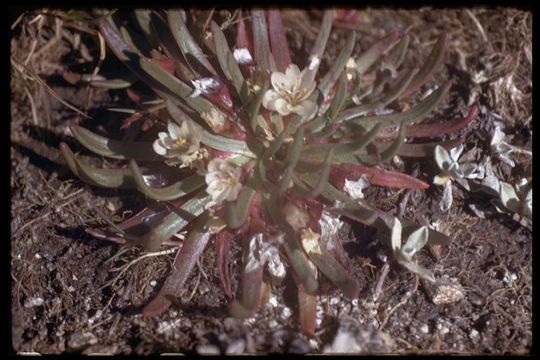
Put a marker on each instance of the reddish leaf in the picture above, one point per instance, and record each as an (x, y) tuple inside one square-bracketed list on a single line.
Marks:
[(252, 289), (442, 128), (185, 260), (222, 98), (376, 176), (427, 149), (223, 244), (166, 63), (278, 40), (307, 307), (243, 39)]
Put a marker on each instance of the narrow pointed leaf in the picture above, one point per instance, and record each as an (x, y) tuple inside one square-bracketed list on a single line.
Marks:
[(338, 65), (426, 149), (397, 54), (430, 66), (223, 244), (292, 159), (185, 41), (230, 68), (415, 114), (368, 58), (392, 150), (376, 176), (339, 98), (322, 37), (443, 128), (261, 43)]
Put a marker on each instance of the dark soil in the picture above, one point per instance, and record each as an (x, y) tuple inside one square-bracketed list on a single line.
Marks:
[(72, 293)]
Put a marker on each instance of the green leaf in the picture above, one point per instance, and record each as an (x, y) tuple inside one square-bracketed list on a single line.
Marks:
[(415, 114), (386, 99), (339, 98), (434, 59), (417, 269), (114, 148), (392, 150), (174, 86), (415, 242), (368, 58), (175, 221), (322, 37), (166, 193), (118, 83), (330, 267), (336, 70), (293, 156), (261, 43), (302, 266), (397, 54), (108, 178), (225, 58), (237, 211), (225, 144), (190, 49)]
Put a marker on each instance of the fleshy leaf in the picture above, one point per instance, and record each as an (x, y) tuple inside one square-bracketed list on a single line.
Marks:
[(307, 307), (278, 40), (376, 51), (109, 178), (175, 221), (330, 267), (430, 66), (186, 258), (415, 242), (114, 148), (166, 193)]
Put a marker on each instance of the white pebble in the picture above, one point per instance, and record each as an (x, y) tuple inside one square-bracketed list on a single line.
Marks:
[(153, 283), (33, 301), (424, 328)]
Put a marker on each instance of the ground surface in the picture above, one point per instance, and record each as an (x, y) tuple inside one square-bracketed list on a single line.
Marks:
[(73, 293)]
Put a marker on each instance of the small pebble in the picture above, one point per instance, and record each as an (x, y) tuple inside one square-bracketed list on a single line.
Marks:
[(236, 347), (424, 328), (33, 301), (208, 350)]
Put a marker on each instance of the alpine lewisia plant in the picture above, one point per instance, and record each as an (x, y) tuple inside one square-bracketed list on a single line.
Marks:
[(247, 147)]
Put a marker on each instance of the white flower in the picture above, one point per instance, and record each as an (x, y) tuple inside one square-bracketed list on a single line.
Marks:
[(452, 170), (214, 118), (295, 216), (181, 144), (291, 92), (223, 180), (355, 188)]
